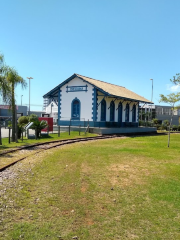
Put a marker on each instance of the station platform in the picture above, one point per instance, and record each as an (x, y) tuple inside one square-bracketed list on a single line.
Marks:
[(126, 130), (103, 131)]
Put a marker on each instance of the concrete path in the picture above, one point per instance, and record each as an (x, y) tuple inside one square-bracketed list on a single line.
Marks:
[(4, 132)]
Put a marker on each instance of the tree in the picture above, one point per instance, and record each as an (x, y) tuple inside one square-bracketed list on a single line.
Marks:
[(176, 79), (171, 99), (155, 121), (33, 118), (23, 120), (38, 126), (4, 85), (166, 124), (13, 80)]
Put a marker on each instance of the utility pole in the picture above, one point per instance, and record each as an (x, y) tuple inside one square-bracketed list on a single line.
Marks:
[(29, 92), (151, 97)]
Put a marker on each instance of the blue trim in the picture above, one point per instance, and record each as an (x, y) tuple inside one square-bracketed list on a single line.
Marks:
[(127, 113), (80, 90), (120, 112), (76, 118), (138, 115), (112, 111), (96, 124), (134, 113), (94, 104), (103, 108), (59, 104)]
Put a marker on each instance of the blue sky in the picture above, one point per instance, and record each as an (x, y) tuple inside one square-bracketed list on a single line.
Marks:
[(125, 42)]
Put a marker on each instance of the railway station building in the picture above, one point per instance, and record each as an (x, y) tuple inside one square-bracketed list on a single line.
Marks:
[(86, 101)]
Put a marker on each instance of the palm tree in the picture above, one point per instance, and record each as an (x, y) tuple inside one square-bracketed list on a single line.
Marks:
[(13, 80), (4, 86)]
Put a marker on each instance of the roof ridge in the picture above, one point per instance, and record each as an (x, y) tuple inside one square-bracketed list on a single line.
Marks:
[(99, 80)]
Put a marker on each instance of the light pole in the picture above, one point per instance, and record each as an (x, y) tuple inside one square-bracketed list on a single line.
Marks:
[(151, 97), (29, 92), (21, 99)]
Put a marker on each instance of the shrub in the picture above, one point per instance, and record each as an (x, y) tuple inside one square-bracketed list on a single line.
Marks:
[(178, 127), (166, 122), (174, 127), (155, 121), (23, 120), (159, 127), (38, 126), (33, 118)]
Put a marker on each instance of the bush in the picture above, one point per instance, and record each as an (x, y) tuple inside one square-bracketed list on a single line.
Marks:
[(166, 122), (23, 120), (174, 127), (33, 118), (155, 121), (159, 127), (38, 126), (178, 127), (9, 124)]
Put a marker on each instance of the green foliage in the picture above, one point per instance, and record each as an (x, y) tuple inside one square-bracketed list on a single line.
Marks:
[(33, 118), (38, 126), (9, 124), (166, 122), (155, 121), (175, 127), (23, 120), (176, 79), (5, 89), (171, 98)]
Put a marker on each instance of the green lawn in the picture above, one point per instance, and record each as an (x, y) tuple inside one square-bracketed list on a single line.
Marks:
[(125, 188), (64, 135)]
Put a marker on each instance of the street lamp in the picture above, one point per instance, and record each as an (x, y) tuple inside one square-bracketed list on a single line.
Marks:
[(151, 97), (21, 99), (29, 92)]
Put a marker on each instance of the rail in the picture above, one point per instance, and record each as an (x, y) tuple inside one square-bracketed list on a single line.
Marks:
[(38, 147)]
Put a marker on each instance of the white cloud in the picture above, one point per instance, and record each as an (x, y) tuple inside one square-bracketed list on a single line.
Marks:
[(173, 88)]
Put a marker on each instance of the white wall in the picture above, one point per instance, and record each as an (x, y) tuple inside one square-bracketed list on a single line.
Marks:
[(108, 101), (52, 109), (84, 97)]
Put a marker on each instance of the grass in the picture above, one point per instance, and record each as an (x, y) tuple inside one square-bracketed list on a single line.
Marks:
[(126, 188), (64, 135)]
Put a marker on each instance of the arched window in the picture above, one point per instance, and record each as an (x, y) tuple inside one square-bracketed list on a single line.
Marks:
[(75, 109), (103, 110), (112, 107), (127, 113), (120, 112), (134, 113)]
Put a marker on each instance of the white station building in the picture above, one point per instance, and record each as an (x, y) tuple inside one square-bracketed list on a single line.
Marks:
[(86, 101)]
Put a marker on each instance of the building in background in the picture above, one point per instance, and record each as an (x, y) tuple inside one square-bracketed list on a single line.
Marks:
[(5, 111), (160, 112), (52, 110)]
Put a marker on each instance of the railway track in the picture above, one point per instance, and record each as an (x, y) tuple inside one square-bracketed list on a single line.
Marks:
[(39, 147)]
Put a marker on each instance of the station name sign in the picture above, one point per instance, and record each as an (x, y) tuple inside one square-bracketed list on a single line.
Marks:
[(76, 88), (7, 107)]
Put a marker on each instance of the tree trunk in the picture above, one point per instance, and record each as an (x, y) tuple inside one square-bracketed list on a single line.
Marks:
[(172, 113), (0, 135), (13, 114)]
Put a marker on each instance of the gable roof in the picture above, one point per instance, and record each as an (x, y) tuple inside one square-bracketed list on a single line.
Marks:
[(106, 88)]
